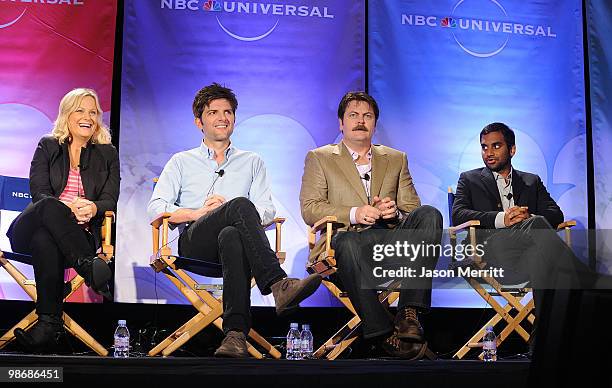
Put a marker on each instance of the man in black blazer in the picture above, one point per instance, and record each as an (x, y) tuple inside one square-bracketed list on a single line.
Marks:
[(518, 219)]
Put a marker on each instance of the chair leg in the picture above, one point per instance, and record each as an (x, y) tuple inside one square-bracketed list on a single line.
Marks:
[(351, 335), (194, 328), (514, 325), (27, 321), (341, 340), (84, 336), (271, 350), (187, 326)]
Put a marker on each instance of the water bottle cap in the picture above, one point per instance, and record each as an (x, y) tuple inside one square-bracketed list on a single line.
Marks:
[(294, 325), (122, 321), (306, 326), (489, 328)]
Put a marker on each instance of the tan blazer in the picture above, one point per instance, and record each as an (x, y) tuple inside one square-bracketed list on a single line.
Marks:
[(331, 185)]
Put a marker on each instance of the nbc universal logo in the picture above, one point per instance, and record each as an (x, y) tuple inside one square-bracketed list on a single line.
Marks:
[(15, 9), (253, 9), (485, 32)]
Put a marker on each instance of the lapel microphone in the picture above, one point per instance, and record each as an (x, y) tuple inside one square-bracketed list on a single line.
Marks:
[(219, 173), (366, 178), (509, 196)]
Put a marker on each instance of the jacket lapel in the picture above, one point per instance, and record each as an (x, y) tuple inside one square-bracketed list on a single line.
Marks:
[(517, 187), (345, 163), (379, 169), (86, 171), (489, 183), (65, 168)]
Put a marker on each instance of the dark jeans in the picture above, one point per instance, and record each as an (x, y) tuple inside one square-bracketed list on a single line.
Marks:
[(351, 265), (232, 235), (48, 231)]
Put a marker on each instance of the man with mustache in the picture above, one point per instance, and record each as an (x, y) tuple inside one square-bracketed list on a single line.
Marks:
[(369, 189)]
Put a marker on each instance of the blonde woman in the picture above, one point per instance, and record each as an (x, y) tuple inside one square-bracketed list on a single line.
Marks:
[(74, 179)]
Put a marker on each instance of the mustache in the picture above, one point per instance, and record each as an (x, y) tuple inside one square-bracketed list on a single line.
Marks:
[(360, 128)]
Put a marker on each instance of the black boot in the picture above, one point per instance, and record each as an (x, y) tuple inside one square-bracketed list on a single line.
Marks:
[(46, 336), (96, 273)]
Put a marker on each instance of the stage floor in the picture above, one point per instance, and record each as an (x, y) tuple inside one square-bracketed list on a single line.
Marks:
[(158, 372)]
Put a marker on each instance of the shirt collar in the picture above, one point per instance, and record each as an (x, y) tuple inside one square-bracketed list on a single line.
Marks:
[(210, 153), (355, 154), (498, 176)]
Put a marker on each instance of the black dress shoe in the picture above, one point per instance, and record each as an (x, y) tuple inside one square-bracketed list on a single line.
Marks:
[(46, 336), (96, 273), (407, 325)]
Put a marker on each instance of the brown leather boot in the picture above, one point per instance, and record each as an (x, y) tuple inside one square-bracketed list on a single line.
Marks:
[(396, 347), (233, 346), (407, 325), (289, 292)]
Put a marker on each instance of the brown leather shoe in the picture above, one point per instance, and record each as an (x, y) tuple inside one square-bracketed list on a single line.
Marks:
[(289, 292), (395, 347), (407, 325), (233, 346)]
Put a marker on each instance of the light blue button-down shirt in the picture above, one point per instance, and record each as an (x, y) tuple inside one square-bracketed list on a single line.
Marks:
[(191, 176)]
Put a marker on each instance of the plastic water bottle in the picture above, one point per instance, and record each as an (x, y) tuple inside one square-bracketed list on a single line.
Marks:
[(489, 345), (122, 340), (293, 342), (306, 342)]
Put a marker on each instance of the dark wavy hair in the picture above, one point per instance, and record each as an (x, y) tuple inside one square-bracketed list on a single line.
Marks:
[(357, 96), (211, 92)]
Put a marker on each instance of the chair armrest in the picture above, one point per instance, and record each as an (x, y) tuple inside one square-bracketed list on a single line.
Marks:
[(566, 224), (109, 214), (277, 220), (156, 223), (323, 223), (277, 223), (465, 225), (106, 234)]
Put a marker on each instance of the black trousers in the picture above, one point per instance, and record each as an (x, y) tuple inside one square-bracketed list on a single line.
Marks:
[(233, 236), (532, 250), (353, 268), (48, 231)]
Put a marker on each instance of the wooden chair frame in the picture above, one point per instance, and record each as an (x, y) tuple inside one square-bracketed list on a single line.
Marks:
[(210, 308), (29, 286), (325, 265), (513, 311)]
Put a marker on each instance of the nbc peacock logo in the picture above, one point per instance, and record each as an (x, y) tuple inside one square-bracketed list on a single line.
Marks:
[(212, 5), (449, 23)]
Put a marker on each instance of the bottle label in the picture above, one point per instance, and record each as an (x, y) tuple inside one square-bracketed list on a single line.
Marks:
[(122, 342), (489, 345)]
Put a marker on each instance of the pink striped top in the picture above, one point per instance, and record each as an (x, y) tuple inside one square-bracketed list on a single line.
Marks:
[(74, 187)]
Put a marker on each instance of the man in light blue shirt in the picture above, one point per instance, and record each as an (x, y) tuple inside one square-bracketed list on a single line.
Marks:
[(219, 196)]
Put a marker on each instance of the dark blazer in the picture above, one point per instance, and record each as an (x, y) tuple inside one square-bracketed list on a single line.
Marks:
[(477, 198), (99, 168)]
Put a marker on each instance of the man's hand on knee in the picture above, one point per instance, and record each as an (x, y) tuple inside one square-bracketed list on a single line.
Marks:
[(213, 199)]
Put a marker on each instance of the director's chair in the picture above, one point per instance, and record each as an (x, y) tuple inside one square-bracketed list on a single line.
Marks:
[(106, 253), (325, 265), (517, 300), (201, 296)]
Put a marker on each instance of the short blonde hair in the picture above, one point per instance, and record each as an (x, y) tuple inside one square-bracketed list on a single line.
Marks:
[(70, 102)]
